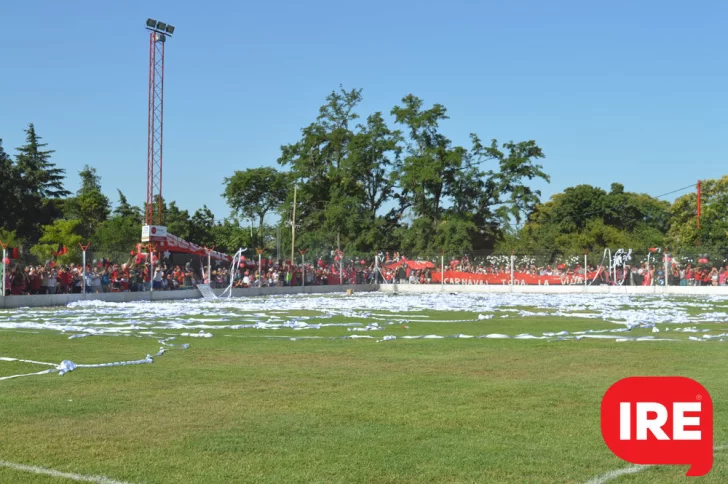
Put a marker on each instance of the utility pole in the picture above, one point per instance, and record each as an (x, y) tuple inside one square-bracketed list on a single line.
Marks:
[(293, 227), (697, 226), (278, 241)]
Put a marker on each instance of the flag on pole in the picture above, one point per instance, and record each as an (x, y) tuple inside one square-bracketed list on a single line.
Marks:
[(62, 250)]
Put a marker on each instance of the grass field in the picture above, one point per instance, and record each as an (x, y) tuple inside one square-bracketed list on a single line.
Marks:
[(259, 401)]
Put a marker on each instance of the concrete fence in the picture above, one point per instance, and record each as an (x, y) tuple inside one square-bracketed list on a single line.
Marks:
[(64, 299), (120, 297)]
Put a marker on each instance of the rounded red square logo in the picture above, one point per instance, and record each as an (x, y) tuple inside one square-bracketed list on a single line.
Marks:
[(660, 420)]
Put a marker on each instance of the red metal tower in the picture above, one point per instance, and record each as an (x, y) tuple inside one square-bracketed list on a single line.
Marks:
[(159, 32)]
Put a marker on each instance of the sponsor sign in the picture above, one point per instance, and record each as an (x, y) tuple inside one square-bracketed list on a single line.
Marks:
[(153, 233)]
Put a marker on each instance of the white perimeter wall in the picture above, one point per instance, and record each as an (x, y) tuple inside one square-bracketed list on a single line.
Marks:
[(64, 299)]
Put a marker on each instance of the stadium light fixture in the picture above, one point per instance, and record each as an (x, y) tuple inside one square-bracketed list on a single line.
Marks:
[(159, 27)]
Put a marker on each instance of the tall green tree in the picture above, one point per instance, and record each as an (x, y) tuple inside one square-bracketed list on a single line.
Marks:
[(90, 206), (431, 164), (328, 192), (41, 177), (9, 191), (375, 152), (177, 221), (125, 209), (466, 198), (202, 225), (230, 235), (506, 185), (40, 185), (60, 232), (116, 236), (256, 192)]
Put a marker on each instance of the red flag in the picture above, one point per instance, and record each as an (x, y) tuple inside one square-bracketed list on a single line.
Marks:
[(62, 249)]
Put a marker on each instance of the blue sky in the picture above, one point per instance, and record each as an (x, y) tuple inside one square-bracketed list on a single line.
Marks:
[(623, 91)]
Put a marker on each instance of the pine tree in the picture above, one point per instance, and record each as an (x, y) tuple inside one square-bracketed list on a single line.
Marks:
[(40, 187), (125, 209), (90, 206), (40, 177)]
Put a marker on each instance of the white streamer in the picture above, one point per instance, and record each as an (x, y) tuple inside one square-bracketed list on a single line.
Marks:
[(67, 366), (234, 267)]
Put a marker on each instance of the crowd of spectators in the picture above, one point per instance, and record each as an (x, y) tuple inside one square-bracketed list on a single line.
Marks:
[(52, 278), (105, 276), (641, 274), (677, 275)]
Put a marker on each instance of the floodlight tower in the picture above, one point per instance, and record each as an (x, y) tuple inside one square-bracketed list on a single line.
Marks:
[(158, 33)]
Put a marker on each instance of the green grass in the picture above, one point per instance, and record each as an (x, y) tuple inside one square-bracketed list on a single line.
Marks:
[(244, 408)]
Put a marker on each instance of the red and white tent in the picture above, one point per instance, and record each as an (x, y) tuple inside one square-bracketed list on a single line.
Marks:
[(172, 243)]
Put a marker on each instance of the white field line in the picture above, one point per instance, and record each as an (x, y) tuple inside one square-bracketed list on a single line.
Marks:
[(5, 358), (59, 474), (608, 476), (615, 474), (28, 374)]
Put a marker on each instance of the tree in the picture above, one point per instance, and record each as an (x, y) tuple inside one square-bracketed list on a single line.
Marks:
[(229, 236), (348, 175), (256, 192), (9, 237), (585, 217), (177, 220), (40, 183), (430, 167), (116, 236), (89, 205), (9, 191), (60, 232), (375, 152), (506, 187), (572, 209), (125, 209), (202, 224), (40, 176), (328, 197), (713, 232), (447, 185)]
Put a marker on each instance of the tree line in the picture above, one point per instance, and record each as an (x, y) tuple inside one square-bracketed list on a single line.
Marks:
[(363, 185)]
